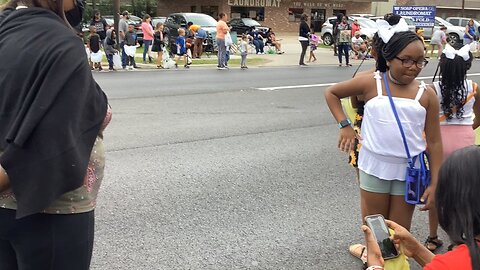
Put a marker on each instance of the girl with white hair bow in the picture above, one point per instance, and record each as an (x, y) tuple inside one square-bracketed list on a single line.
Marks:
[(459, 103), (382, 158)]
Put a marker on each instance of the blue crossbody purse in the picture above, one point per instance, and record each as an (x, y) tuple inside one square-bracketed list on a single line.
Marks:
[(417, 178)]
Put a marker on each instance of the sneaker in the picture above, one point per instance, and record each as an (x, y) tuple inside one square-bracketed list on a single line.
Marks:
[(186, 66), (221, 68)]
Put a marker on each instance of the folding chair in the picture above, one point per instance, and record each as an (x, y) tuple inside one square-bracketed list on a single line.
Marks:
[(234, 48)]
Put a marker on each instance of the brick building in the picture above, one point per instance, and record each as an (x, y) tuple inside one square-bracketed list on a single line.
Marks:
[(281, 15)]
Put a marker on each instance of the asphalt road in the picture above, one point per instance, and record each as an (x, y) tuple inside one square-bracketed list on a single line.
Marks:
[(207, 171)]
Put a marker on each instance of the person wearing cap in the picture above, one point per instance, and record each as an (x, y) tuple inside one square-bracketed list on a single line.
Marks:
[(122, 30), (358, 46), (439, 39)]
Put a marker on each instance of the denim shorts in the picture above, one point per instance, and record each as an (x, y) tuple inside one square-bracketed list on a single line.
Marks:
[(372, 183)]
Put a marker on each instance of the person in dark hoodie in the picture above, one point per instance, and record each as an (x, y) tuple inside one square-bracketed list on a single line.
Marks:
[(51, 145), (110, 47)]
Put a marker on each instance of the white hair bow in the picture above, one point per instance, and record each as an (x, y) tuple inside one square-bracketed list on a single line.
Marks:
[(386, 31), (450, 52)]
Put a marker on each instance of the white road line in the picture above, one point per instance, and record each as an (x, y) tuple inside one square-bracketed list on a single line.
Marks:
[(274, 88)]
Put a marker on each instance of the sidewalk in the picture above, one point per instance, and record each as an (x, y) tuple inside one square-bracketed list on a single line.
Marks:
[(292, 49)]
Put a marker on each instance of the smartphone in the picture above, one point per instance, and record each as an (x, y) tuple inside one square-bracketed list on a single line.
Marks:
[(377, 224)]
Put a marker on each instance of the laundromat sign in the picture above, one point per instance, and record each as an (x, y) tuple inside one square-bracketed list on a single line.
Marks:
[(255, 3)]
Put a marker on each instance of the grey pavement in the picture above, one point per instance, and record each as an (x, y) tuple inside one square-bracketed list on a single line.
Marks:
[(207, 171)]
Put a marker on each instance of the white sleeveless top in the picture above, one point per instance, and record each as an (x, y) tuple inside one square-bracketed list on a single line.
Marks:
[(382, 153), (468, 114)]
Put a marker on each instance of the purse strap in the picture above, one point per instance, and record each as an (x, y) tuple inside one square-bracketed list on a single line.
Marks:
[(409, 158)]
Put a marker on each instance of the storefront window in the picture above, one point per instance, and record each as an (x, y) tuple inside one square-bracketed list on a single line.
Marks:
[(210, 10), (256, 13), (294, 14)]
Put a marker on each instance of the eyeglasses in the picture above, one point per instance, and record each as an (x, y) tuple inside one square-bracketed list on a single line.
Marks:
[(409, 62)]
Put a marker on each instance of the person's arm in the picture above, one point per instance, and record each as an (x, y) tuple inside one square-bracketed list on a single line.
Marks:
[(225, 28), (466, 31), (404, 241), (121, 30), (105, 25), (148, 29), (435, 148), (476, 108), (334, 94), (4, 181)]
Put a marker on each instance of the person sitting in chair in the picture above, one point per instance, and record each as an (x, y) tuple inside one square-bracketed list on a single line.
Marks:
[(257, 40), (272, 39), (359, 46)]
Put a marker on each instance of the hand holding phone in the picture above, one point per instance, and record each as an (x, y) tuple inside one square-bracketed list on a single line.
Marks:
[(379, 228)]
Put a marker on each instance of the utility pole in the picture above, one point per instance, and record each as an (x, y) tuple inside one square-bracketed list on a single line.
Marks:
[(116, 13), (463, 8)]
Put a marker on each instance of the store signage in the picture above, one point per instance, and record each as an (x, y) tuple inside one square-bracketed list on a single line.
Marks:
[(255, 3), (317, 5), (423, 16)]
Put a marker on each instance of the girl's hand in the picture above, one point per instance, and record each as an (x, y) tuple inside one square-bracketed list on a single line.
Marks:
[(347, 139), (429, 197), (409, 245)]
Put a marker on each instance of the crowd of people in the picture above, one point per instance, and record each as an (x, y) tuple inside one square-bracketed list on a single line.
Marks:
[(189, 44), (437, 119), (346, 37), (50, 177)]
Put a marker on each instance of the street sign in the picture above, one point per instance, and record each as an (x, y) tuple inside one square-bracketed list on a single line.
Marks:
[(423, 16)]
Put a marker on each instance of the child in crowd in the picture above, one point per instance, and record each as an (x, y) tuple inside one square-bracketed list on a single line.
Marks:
[(158, 43), (111, 48), (439, 39), (131, 42), (382, 160), (181, 48), (459, 113), (244, 51), (94, 46), (314, 39)]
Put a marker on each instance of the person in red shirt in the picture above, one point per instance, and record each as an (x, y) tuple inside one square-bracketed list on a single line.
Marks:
[(355, 27), (458, 205)]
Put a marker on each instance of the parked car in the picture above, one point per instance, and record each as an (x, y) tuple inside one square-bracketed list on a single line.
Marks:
[(368, 28), (133, 20), (243, 25), (454, 33), (179, 20), (368, 16), (408, 20), (461, 21), (156, 20)]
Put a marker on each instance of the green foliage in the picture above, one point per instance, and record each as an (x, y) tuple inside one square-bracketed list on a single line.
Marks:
[(135, 7)]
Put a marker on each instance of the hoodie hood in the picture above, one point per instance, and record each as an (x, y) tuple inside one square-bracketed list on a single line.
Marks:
[(109, 33)]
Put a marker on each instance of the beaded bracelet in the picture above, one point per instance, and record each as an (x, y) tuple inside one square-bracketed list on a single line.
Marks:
[(373, 267)]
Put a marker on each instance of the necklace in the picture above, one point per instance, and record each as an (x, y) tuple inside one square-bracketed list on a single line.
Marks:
[(394, 80)]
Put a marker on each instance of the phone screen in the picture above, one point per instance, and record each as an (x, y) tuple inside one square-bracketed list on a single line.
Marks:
[(380, 230)]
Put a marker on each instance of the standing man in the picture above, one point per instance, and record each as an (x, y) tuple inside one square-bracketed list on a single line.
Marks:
[(122, 30), (222, 30)]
